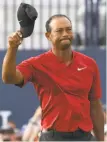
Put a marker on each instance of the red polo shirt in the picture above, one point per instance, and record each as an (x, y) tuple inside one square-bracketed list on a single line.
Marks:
[(64, 91)]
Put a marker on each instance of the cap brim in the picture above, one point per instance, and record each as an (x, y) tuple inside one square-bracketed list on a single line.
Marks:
[(27, 31)]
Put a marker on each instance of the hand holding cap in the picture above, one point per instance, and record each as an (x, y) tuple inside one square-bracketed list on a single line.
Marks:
[(26, 15)]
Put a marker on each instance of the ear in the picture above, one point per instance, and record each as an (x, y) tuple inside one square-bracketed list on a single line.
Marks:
[(47, 34)]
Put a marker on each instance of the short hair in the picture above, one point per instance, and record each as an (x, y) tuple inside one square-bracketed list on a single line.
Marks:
[(47, 25)]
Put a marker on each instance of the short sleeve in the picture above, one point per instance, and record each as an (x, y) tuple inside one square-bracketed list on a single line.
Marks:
[(95, 91), (26, 69)]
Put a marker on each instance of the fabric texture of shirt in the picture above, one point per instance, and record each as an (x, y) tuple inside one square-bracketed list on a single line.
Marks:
[(64, 91)]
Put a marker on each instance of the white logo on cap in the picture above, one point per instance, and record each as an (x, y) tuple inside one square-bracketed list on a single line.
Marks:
[(20, 20)]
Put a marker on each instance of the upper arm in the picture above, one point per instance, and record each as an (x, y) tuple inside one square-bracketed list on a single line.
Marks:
[(19, 78), (96, 111), (95, 104), (96, 108), (25, 72), (95, 91)]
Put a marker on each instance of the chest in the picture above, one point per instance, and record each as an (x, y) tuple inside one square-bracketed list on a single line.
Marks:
[(71, 79)]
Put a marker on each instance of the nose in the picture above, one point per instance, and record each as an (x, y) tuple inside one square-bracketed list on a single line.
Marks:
[(65, 33)]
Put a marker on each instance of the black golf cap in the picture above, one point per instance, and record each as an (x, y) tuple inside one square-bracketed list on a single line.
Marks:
[(26, 15)]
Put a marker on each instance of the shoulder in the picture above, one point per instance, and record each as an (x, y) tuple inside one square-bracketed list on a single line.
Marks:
[(39, 58), (85, 58), (87, 61)]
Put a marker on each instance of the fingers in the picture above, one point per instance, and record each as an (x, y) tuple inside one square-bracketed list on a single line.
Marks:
[(15, 39)]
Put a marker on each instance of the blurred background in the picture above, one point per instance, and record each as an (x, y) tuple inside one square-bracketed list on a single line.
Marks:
[(89, 26)]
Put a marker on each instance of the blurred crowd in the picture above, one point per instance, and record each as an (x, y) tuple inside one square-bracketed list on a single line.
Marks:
[(11, 133), (31, 130), (28, 132)]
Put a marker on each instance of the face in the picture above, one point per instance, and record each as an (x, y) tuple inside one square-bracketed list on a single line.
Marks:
[(61, 34)]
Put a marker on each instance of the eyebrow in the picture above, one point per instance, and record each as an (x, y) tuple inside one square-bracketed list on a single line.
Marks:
[(63, 28)]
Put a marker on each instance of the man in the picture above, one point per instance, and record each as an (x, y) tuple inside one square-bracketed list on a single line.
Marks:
[(67, 83)]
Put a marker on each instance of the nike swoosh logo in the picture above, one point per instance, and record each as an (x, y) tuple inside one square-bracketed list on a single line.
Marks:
[(20, 21), (79, 69)]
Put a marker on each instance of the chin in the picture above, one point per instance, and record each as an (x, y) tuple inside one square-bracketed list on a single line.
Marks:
[(65, 46)]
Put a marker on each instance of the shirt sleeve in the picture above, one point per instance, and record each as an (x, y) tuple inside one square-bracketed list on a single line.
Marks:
[(95, 91), (26, 69)]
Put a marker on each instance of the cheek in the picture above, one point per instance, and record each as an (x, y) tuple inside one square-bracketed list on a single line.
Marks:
[(54, 38)]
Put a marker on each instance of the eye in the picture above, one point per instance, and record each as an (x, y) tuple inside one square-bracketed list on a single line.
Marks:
[(69, 29), (59, 30)]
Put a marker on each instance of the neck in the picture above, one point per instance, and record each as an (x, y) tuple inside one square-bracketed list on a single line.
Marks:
[(63, 55)]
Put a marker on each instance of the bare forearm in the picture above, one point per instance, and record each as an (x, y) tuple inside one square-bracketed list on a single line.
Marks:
[(9, 65), (9, 73), (97, 116)]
